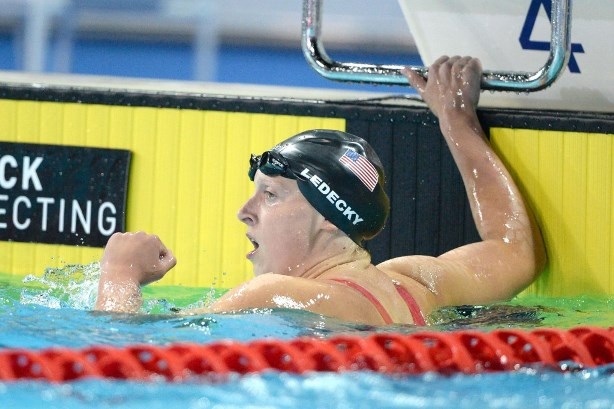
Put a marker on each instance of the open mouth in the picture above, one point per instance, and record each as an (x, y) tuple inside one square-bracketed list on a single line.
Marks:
[(255, 244)]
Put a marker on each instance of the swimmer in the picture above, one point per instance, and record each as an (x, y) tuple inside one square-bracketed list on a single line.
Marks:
[(320, 195)]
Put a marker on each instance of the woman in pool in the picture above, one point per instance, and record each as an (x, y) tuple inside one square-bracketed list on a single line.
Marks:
[(319, 195)]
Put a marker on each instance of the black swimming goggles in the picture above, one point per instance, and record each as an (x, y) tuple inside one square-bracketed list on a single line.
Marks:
[(271, 164)]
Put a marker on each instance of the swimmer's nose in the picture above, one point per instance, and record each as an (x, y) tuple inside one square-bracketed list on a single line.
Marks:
[(246, 213)]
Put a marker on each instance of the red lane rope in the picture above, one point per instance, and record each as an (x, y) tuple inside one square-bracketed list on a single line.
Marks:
[(466, 352)]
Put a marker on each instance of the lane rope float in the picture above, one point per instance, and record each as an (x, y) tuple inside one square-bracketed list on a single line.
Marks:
[(467, 352)]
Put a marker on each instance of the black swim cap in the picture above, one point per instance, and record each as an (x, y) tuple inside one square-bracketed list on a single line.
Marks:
[(339, 174)]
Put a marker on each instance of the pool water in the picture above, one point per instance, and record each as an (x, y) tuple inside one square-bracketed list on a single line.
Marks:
[(528, 389), (55, 310)]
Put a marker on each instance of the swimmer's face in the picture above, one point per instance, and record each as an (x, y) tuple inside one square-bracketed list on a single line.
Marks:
[(282, 226)]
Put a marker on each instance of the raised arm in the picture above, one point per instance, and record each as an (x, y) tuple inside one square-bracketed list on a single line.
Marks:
[(129, 261), (511, 252)]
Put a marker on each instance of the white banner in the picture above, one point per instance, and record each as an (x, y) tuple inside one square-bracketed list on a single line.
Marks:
[(515, 36)]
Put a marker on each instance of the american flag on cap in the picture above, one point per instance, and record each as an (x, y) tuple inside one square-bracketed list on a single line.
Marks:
[(361, 167)]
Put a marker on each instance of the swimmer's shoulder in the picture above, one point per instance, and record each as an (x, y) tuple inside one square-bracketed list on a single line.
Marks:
[(414, 267), (422, 276), (319, 296)]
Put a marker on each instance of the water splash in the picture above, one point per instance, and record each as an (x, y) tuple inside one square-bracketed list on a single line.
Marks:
[(72, 286), (76, 286)]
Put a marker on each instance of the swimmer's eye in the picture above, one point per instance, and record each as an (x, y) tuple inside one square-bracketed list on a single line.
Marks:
[(269, 195)]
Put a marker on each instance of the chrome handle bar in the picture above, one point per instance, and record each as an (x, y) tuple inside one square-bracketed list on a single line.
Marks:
[(519, 81)]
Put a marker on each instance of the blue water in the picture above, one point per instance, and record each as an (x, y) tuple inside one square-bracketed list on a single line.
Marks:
[(528, 389), (54, 309)]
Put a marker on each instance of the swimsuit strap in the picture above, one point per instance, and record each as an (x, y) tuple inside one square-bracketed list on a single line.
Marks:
[(378, 305), (416, 314), (414, 309)]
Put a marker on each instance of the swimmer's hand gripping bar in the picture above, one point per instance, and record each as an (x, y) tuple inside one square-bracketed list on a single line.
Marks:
[(560, 47)]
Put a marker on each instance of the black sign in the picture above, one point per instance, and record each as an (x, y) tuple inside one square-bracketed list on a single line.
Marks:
[(62, 194)]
